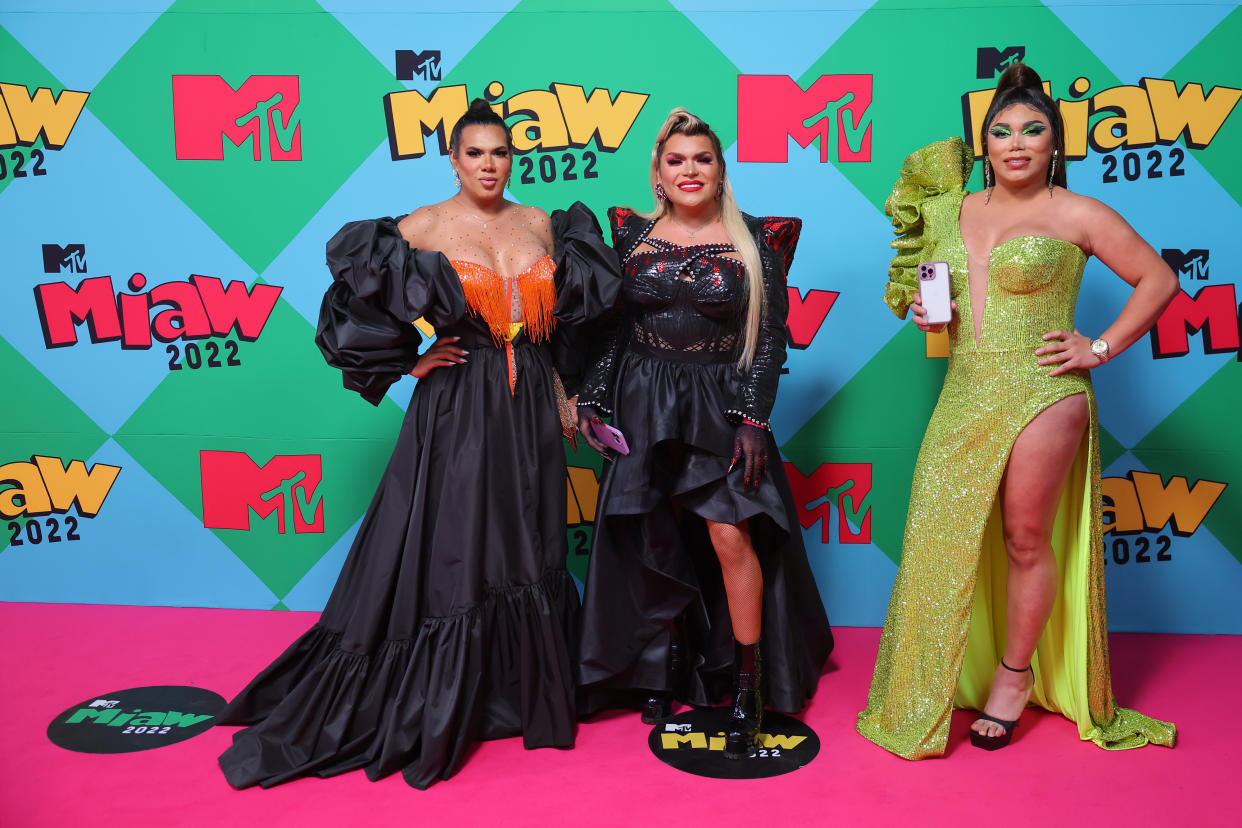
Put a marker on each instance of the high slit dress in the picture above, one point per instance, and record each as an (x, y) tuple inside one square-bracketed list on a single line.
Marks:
[(452, 619), (669, 377), (945, 629)]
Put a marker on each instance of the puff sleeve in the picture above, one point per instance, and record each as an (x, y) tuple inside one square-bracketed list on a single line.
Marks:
[(932, 179), (587, 280), (380, 285)]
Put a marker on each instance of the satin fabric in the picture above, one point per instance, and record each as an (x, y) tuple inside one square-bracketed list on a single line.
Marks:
[(452, 618)]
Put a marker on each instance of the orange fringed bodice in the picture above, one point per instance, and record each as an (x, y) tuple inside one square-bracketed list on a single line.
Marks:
[(489, 298)]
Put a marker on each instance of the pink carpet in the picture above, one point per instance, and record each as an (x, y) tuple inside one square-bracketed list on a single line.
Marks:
[(57, 655)]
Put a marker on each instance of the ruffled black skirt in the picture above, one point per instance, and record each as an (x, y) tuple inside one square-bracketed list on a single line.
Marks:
[(451, 620), (653, 572)]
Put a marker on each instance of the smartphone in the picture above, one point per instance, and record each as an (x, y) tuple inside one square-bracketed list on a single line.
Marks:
[(610, 437), (934, 290)]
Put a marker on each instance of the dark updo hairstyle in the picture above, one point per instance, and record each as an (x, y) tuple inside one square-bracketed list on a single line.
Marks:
[(1020, 84), (480, 113)]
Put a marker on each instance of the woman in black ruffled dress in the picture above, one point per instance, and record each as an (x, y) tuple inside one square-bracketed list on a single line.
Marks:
[(697, 549), (453, 614)]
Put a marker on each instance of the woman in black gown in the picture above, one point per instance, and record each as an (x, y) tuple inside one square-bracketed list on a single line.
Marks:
[(452, 617), (696, 533)]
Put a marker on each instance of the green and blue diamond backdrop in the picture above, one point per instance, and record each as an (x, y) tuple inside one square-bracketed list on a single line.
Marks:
[(169, 173)]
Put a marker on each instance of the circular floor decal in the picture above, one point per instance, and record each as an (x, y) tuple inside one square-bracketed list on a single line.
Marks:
[(693, 742), (139, 719)]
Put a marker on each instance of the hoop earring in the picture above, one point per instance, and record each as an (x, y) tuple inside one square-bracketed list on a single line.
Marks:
[(987, 179), (659, 191), (1052, 171)]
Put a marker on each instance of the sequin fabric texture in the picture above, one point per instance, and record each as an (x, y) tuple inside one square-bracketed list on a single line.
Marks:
[(945, 629)]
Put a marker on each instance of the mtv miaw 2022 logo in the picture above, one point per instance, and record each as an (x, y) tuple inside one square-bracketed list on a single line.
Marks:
[(771, 109), (234, 486), (558, 121), (1140, 507), (202, 308), (27, 117), (211, 118), (124, 721), (1121, 120), (37, 495)]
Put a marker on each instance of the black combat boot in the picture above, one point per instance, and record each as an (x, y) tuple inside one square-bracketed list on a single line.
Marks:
[(743, 731)]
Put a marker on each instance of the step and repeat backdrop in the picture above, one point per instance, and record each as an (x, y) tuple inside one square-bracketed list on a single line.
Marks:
[(170, 172)]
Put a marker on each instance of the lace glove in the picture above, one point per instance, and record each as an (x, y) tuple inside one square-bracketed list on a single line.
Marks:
[(588, 414), (750, 449)]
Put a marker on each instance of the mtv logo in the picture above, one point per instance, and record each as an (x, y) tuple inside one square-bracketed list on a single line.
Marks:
[(845, 486), (424, 64), (234, 486), (263, 110), (1192, 264), (990, 62), (105, 703), (677, 728), (771, 109), (68, 259)]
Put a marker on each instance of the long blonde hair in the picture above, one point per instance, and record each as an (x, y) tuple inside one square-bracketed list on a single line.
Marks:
[(682, 122)]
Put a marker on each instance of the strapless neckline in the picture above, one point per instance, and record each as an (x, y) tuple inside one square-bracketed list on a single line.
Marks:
[(472, 264)]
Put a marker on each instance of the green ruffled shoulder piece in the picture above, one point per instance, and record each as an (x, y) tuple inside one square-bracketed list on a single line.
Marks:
[(935, 174)]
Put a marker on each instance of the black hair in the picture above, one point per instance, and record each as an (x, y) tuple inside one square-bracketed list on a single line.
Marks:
[(1020, 84), (480, 113)]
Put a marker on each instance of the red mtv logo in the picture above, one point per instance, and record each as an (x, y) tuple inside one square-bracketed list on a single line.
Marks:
[(807, 314), (234, 486), (844, 485), (263, 110), (773, 108)]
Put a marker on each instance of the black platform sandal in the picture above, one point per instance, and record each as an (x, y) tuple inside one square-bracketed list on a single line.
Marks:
[(980, 740)]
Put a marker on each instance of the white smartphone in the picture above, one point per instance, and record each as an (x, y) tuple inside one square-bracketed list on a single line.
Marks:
[(934, 290)]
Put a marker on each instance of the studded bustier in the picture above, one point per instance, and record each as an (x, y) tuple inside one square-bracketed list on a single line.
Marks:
[(687, 304)]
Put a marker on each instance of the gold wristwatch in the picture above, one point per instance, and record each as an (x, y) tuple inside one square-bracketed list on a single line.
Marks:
[(1100, 348)]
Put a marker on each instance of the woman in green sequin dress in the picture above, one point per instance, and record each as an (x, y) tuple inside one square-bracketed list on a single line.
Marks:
[(1002, 564)]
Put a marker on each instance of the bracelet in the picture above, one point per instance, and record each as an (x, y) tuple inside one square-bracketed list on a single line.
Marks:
[(748, 421)]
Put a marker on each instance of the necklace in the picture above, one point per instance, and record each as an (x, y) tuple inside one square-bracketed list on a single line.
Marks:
[(688, 231), (484, 221)]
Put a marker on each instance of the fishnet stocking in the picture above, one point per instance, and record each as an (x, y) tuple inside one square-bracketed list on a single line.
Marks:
[(743, 578)]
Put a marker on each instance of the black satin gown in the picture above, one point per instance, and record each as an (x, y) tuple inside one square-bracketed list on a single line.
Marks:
[(668, 375), (453, 615)]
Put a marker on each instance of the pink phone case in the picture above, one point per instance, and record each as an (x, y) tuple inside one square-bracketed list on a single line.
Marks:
[(934, 291), (610, 437)]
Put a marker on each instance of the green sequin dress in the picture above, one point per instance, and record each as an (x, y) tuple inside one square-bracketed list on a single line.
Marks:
[(945, 629)]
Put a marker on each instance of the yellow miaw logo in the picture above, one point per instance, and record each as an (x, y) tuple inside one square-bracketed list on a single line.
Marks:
[(694, 741), (1143, 515), (36, 496), (1153, 112), (27, 117), (563, 116)]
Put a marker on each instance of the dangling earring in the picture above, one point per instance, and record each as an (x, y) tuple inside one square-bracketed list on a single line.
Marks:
[(719, 190), (987, 180), (457, 179), (659, 191), (1052, 171)]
